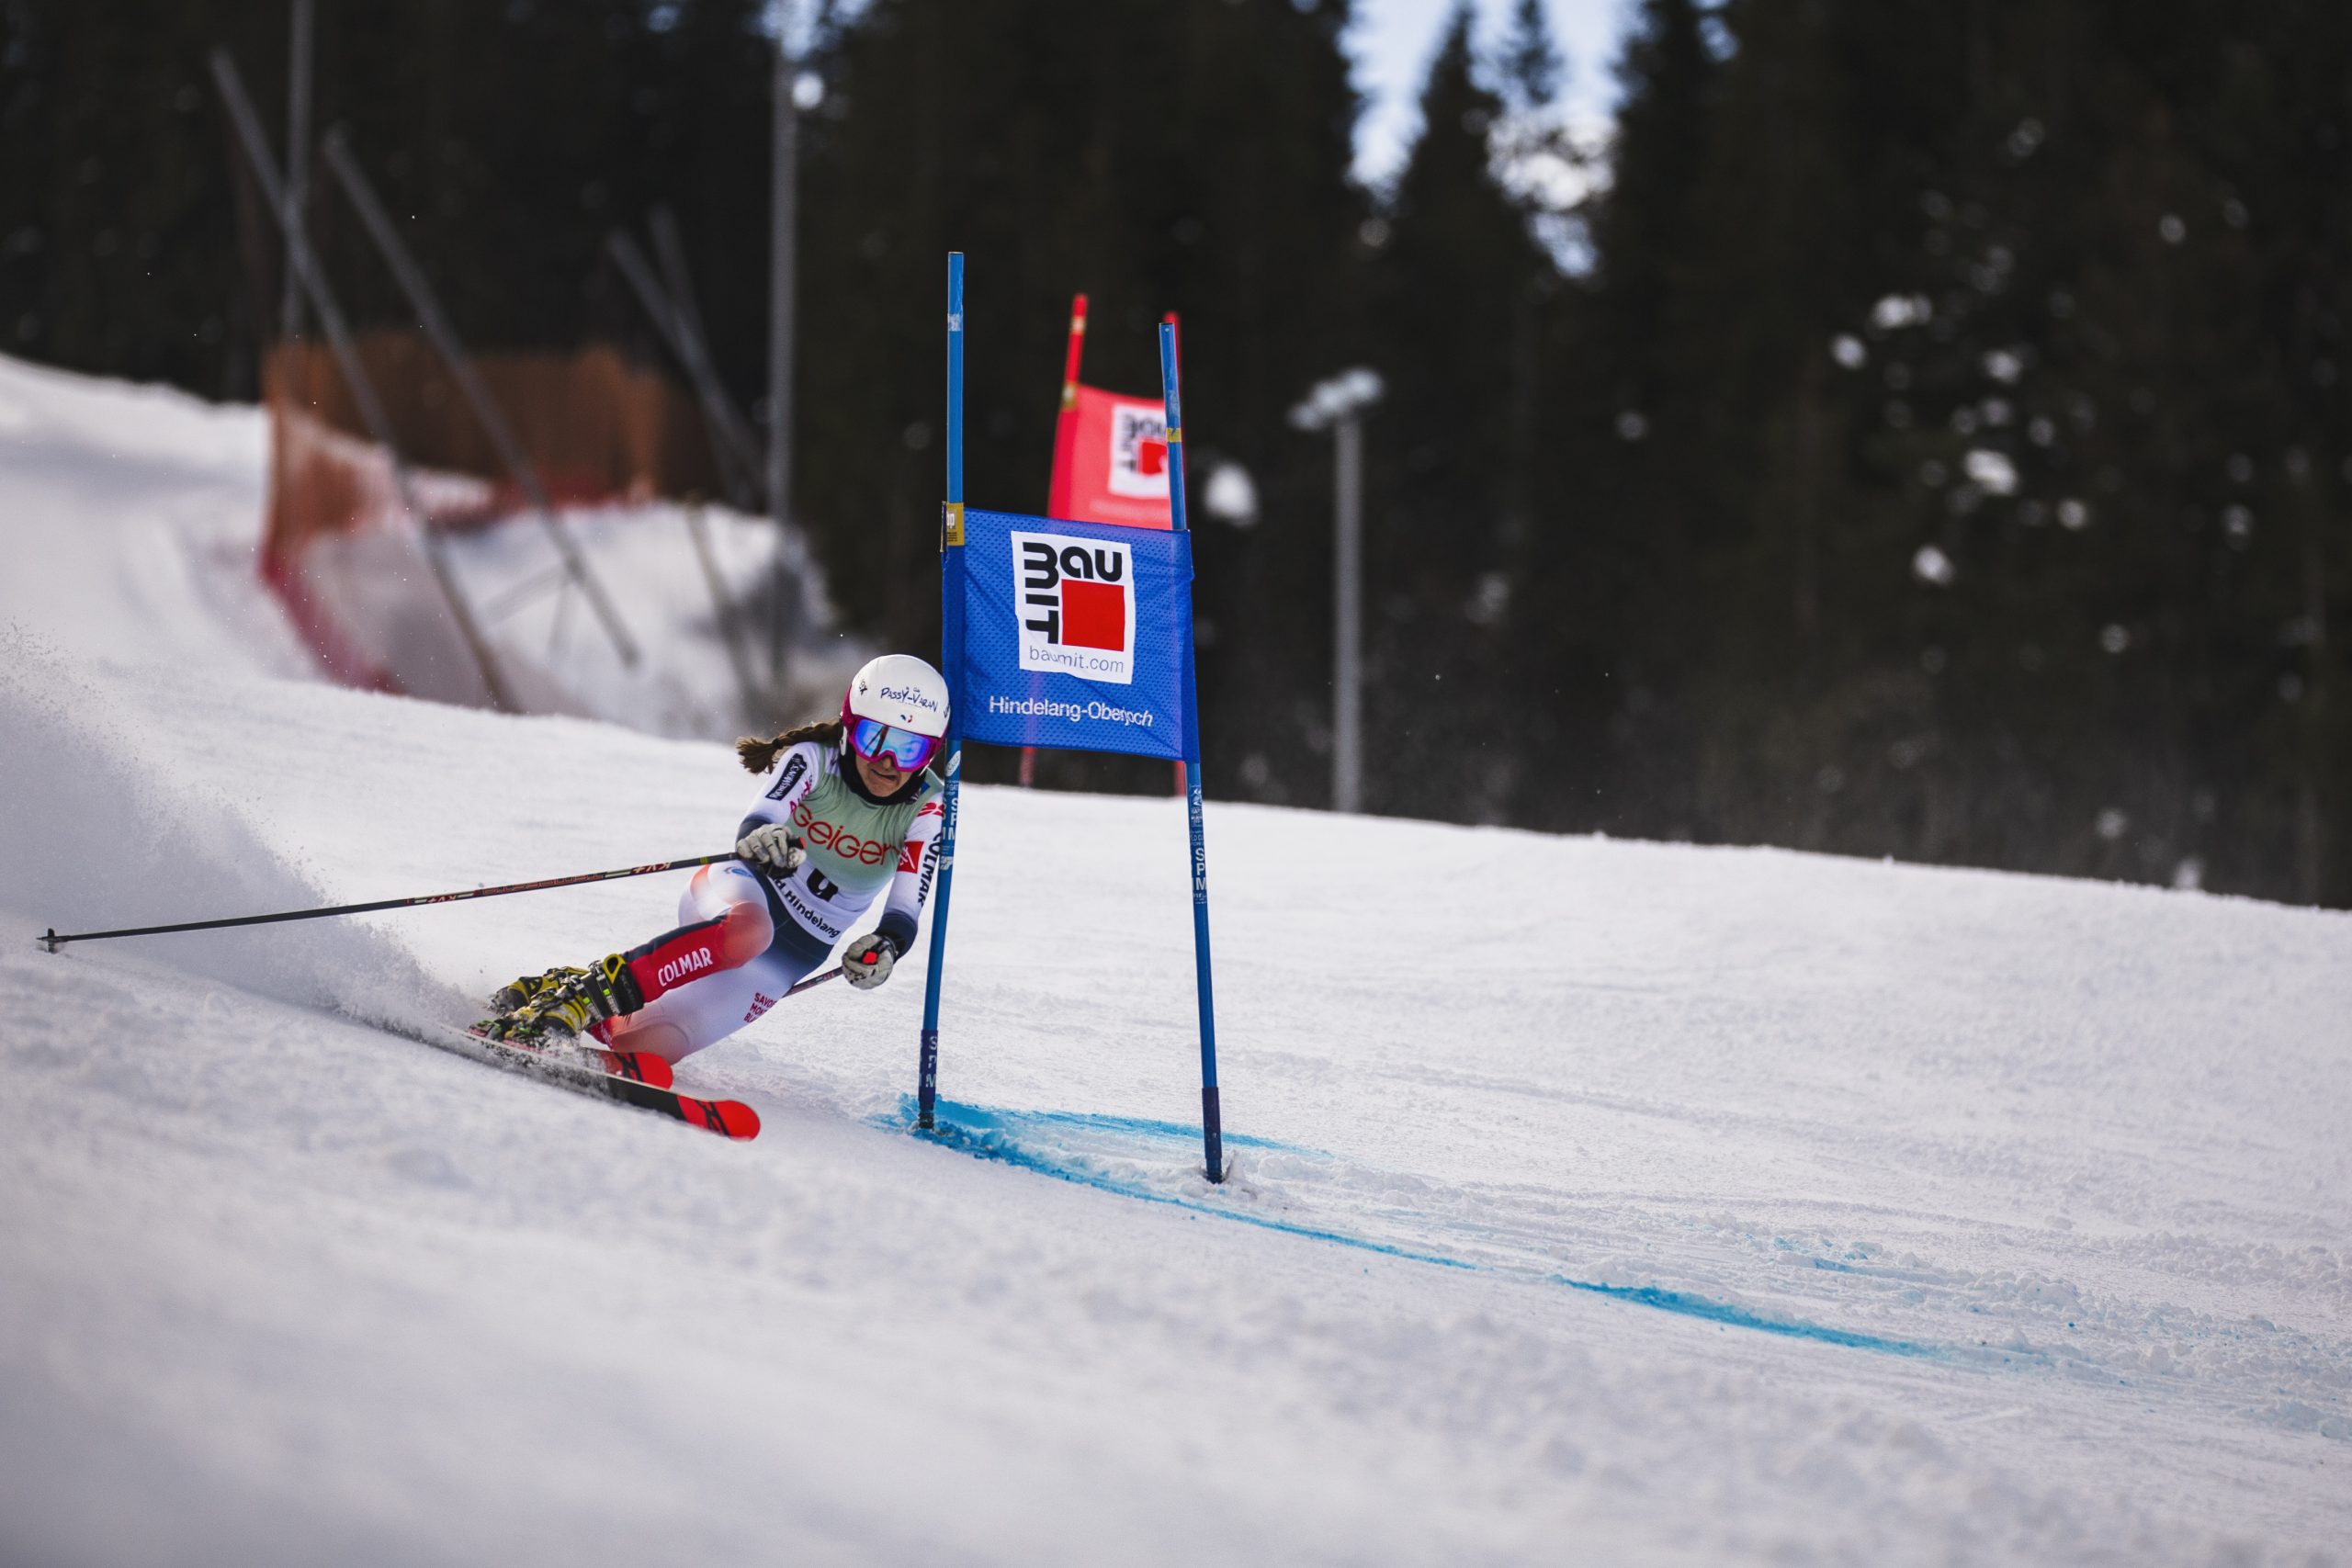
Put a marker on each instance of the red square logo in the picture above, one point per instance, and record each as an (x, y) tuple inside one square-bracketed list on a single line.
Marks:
[(1094, 614)]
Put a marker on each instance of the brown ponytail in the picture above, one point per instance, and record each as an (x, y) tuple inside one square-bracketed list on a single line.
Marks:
[(759, 756)]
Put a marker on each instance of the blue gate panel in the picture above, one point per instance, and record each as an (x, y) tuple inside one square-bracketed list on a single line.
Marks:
[(1074, 634)]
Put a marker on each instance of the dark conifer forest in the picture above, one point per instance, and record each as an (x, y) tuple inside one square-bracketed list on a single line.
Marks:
[(1929, 436)]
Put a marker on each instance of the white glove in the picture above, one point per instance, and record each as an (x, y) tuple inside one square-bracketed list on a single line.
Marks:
[(773, 847), (868, 960)]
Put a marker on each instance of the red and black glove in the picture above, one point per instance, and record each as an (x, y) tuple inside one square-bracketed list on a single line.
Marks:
[(869, 959)]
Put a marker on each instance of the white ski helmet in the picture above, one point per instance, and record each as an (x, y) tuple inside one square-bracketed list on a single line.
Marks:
[(901, 691)]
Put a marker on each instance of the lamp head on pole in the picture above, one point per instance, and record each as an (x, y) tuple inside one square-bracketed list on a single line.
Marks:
[(1343, 397)]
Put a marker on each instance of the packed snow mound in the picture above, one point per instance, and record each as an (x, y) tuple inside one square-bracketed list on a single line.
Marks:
[(131, 518), (151, 425), (689, 681), (108, 826)]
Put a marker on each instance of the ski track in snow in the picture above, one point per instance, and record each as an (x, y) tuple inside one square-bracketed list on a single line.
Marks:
[(1591, 1201)]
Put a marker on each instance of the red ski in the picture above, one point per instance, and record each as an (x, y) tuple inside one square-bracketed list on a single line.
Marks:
[(632, 1077), (641, 1065)]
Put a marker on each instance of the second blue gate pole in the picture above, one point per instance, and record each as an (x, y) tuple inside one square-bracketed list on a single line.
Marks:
[(1212, 1128), (951, 657)]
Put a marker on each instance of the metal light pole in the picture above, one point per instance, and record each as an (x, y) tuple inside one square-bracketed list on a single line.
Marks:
[(298, 157), (783, 219), (1339, 405)]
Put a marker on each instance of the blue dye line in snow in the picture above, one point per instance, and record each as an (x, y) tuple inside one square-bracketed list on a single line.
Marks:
[(1740, 1317), (975, 1117), (990, 1135)]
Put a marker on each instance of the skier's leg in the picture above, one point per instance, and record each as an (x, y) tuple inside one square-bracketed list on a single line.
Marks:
[(726, 924), (737, 903), (704, 1011), (700, 1004), (723, 924)]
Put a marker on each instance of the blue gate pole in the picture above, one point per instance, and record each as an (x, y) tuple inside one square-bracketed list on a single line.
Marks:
[(1212, 1129), (951, 659)]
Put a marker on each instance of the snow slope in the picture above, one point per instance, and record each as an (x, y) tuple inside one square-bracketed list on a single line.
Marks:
[(1636, 1203), (1592, 1202)]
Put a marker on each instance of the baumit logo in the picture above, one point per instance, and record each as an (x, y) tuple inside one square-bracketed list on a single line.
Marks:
[(1139, 450), (1077, 599)]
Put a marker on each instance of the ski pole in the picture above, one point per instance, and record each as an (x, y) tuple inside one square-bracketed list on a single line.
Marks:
[(813, 981), (53, 940)]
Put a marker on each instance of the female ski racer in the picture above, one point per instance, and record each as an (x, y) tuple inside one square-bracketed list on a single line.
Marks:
[(853, 815)]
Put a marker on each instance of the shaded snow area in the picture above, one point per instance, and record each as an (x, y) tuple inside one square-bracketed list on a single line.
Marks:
[(131, 521), (1623, 1203)]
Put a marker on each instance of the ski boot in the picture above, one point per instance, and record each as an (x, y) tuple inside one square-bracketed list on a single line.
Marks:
[(574, 1005), (515, 992)]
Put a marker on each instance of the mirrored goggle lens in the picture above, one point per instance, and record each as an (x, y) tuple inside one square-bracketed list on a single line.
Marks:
[(875, 740)]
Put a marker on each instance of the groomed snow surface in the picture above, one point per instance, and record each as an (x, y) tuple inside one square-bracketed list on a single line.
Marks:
[(1592, 1202)]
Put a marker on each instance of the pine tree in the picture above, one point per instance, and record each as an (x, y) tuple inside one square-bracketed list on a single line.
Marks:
[(1194, 158), (1530, 64), (1621, 561), (1449, 288)]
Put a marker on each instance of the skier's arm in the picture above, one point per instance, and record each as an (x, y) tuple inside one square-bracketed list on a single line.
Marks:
[(801, 767), (910, 886)]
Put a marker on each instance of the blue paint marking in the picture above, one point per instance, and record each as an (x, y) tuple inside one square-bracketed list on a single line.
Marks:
[(985, 1135), (1739, 1317), (977, 1118), (992, 1135)]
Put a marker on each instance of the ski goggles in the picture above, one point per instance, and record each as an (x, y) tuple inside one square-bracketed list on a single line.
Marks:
[(873, 740)]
